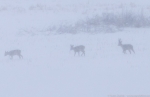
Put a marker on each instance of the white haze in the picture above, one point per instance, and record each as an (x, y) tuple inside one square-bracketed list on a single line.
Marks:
[(50, 69)]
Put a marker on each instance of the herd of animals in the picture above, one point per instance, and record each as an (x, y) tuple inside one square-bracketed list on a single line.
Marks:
[(76, 49)]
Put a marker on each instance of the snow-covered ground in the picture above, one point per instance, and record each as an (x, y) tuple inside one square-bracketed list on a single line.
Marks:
[(50, 69)]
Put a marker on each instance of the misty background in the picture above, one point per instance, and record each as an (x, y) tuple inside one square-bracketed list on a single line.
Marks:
[(44, 30)]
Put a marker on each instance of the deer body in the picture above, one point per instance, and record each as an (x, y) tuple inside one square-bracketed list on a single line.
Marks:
[(126, 47), (13, 53), (78, 49)]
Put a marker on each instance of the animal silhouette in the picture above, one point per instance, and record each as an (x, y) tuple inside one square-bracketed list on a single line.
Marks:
[(78, 49), (13, 53), (125, 47)]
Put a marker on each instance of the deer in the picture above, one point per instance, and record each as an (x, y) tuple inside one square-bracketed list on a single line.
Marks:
[(78, 49), (125, 47), (13, 53)]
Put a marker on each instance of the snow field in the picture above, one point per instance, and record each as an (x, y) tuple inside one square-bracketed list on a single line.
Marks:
[(49, 68)]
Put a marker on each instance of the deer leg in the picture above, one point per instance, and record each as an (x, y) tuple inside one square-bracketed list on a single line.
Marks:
[(130, 51), (83, 53), (11, 57), (20, 56), (124, 51), (74, 53), (78, 54)]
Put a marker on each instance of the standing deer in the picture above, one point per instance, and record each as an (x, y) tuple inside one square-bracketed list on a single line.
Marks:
[(13, 53), (78, 49), (125, 47)]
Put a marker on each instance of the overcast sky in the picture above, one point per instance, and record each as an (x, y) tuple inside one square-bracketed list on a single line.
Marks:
[(28, 2), (76, 1)]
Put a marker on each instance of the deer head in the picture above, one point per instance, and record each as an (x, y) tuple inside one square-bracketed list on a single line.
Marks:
[(119, 42)]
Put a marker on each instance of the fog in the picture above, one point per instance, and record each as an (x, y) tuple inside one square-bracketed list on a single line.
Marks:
[(42, 31)]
